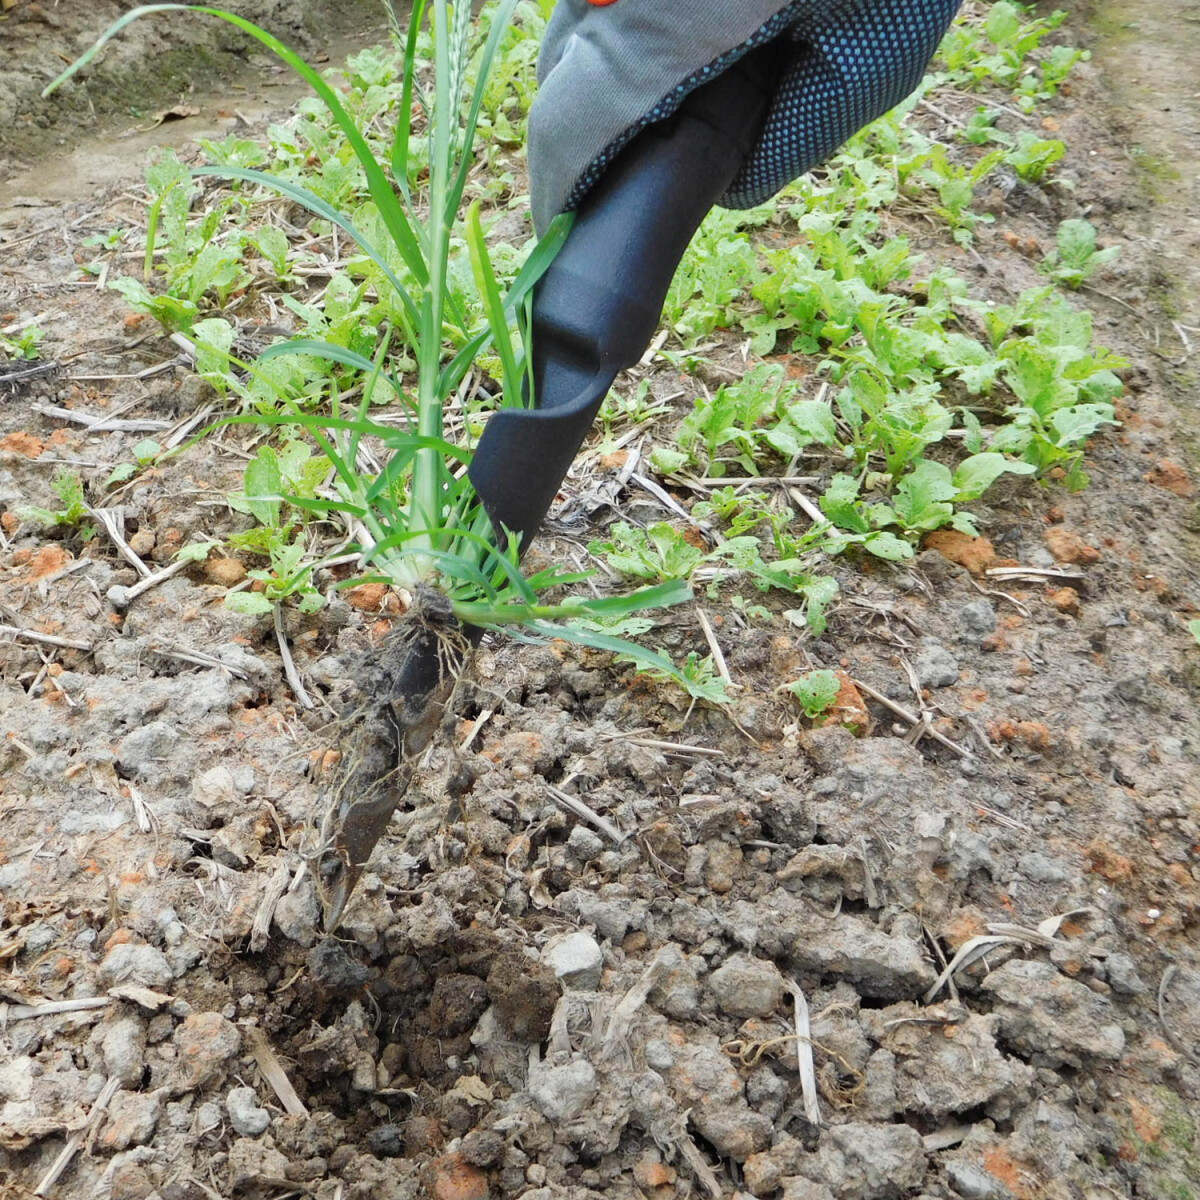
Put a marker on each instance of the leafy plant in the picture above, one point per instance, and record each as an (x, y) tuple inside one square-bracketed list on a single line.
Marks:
[(1032, 156), (1004, 49), (661, 553), (1076, 257), (658, 553), (27, 343), (144, 454), (74, 511), (815, 692), (697, 675), (955, 185), (740, 417), (289, 576)]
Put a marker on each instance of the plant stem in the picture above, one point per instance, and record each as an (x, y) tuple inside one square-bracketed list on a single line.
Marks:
[(427, 463)]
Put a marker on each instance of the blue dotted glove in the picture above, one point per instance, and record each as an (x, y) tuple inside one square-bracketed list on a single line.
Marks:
[(608, 70)]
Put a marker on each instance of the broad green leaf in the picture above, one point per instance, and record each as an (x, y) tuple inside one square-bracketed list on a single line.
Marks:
[(262, 484), (840, 504), (814, 419), (251, 603), (196, 551), (976, 474), (921, 496), (1077, 424), (887, 546)]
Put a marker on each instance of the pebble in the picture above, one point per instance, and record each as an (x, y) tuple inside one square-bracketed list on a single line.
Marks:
[(208, 1117), (722, 867), (651, 1173), (577, 960), (1123, 977), (39, 937), (746, 987), (16, 1078), (1042, 1011), (1042, 869), (765, 1091), (935, 666), (483, 1148), (132, 1118), (244, 1113), (584, 844), (215, 788), (431, 922), (252, 1163), (977, 619), (146, 746), (128, 962), (451, 1177), (879, 1100), (706, 1081), (874, 1160), (972, 1182), (297, 914), (386, 1141), (611, 917)]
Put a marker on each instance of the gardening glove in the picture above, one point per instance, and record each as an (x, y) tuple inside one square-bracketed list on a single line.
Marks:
[(640, 133), (608, 69)]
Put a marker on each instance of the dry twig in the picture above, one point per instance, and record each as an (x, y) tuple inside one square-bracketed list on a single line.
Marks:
[(804, 1055), (1176, 1042), (617, 1033), (581, 810), (904, 714), (273, 1072), (289, 667), (260, 930), (68, 1152)]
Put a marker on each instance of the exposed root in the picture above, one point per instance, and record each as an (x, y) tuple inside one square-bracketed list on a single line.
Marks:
[(405, 691)]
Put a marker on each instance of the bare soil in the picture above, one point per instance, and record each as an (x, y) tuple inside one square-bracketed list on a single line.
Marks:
[(519, 1004), (155, 65)]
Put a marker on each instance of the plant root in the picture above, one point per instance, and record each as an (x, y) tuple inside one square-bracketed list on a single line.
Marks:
[(405, 689)]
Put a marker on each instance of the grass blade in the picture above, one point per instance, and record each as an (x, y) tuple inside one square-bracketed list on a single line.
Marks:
[(493, 306)]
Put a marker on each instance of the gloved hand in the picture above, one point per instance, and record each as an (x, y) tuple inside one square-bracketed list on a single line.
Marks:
[(608, 70), (650, 112)]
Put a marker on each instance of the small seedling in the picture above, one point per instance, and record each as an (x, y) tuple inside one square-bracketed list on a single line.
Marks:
[(815, 692), (144, 454), (74, 512), (698, 676), (1076, 256), (1032, 157), (26, 343)]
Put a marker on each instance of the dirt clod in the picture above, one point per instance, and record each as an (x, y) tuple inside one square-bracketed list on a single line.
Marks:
[(1068, 546), (974, 553), (452, 1177), (525, 994), (206, 1042)]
